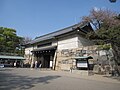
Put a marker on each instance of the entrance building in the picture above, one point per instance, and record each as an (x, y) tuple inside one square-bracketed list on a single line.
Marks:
[(8, 61), (45, 56), (51, 50)]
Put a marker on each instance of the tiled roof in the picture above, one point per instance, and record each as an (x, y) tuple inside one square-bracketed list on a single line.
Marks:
[(11, 57), (45, 48), (57, 33)]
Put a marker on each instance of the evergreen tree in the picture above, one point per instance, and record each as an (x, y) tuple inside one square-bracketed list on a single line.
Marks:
[(9, 41)]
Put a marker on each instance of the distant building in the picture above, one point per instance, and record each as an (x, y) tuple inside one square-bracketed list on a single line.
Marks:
[(55, 49), (8, 61)]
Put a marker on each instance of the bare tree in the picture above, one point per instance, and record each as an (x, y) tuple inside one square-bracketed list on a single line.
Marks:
[(107, 25), (100, 16), (26, 40)]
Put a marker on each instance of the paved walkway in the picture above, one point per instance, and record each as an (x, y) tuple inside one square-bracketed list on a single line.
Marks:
[(97, 77), (103, 78), (27, 79)]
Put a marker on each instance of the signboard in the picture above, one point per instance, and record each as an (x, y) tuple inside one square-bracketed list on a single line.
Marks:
[(82, 64)]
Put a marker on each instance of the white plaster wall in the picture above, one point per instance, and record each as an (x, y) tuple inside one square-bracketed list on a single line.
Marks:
[(54, 43), (84, 42), (28, 50), (69, 42), (35, 47)]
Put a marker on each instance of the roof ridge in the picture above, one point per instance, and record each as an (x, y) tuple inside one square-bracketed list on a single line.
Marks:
[(58, 30)]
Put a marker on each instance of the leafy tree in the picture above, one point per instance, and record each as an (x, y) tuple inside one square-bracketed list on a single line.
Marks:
[(107, 25), (9, 41)]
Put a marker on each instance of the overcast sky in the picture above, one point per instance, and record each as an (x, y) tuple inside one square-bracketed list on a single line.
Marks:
[(32, 18)]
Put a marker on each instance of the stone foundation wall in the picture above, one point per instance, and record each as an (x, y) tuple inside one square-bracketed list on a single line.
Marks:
[(65, 57)]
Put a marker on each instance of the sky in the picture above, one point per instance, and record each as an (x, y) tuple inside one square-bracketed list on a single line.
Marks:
[(33, 18)]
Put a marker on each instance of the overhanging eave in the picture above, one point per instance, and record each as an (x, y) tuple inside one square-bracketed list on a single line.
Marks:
[(45, 48)]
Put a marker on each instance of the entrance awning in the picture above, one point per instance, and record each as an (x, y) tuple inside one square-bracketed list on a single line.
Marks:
[(12, 57), (83, 57), (45, 48)]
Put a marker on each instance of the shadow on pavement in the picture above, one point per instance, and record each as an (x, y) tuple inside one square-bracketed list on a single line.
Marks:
[(10, 81)]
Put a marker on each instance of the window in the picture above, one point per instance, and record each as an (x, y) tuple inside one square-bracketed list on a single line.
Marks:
[(45, 44)]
